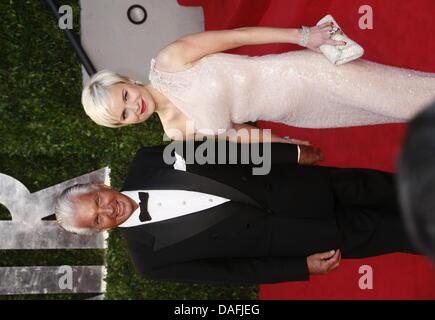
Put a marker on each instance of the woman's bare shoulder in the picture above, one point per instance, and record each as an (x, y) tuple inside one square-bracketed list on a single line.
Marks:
[(169, 59)]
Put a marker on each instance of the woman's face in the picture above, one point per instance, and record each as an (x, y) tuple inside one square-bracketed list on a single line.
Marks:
[(130, 103)]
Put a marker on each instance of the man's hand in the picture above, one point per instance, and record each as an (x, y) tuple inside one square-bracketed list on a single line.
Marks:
[(322, 263), (310, 155)]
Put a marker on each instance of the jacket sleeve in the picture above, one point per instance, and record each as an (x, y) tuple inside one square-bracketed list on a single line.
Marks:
[(148, 160), (226, 152), (215, 151), (241, 271)]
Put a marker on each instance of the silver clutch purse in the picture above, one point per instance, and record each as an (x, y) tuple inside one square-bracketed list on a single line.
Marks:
[(340, 54)]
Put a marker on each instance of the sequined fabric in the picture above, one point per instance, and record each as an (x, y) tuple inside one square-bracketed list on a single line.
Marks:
[(299, 88)]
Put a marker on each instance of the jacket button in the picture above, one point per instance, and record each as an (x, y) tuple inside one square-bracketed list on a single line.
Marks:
[(269, 211), (248, 226), (244, 179)]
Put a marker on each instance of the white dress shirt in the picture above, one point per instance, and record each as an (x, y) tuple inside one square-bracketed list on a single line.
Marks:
[(168, 204)]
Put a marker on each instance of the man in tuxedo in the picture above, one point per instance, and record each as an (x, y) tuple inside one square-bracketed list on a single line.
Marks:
[(221, 224)]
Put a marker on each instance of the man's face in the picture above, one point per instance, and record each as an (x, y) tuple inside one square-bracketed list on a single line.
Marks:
[(103, 209)]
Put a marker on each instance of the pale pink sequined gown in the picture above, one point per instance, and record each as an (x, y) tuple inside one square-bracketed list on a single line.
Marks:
[(299, 88)]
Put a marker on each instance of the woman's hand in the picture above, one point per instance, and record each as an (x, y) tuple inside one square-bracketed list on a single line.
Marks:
[(320, 35)]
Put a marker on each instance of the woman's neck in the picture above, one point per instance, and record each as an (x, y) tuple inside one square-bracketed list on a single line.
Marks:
[(160, 101)]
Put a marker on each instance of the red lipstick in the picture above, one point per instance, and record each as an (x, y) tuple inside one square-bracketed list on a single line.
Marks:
[(142, 106)]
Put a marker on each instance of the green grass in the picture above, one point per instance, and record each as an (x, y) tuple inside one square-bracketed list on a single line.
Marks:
[(45, 138)]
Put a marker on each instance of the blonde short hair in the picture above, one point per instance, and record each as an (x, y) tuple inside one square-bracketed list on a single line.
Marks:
[(95, 99)]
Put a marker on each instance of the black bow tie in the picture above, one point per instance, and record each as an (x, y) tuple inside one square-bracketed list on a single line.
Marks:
[(143, 204)]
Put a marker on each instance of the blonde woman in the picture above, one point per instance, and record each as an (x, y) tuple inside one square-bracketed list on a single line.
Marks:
[(192, 81)]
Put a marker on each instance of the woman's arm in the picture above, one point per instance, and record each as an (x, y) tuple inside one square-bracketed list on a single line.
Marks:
[(245, 133), (194, 46), (238, 133)]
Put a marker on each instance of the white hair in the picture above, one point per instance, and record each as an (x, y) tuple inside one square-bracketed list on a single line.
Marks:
[(95, 98), (65, 207)]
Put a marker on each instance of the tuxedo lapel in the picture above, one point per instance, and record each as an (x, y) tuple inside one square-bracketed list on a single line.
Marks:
[(172, 231), (169, 232), (175, 230), (170, 179), (162, 234)]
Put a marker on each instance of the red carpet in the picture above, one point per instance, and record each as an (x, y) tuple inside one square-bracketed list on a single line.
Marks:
[(403, 35)]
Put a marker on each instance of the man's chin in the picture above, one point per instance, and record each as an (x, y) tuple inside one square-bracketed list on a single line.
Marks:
[(124, 217)]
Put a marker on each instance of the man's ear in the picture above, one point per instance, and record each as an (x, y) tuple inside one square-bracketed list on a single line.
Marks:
[(103, 186), (104, 230)]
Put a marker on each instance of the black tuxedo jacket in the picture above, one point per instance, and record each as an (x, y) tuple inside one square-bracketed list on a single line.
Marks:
[(263, 235)]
